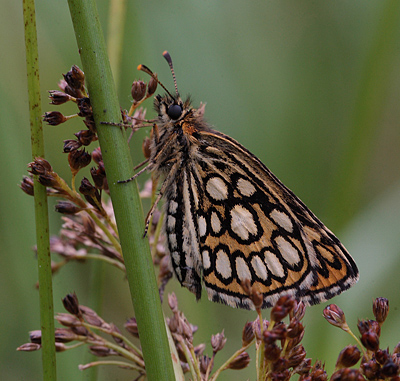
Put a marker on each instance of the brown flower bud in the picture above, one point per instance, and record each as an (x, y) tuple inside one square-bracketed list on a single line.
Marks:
[(241, 361), (173, 302), (347, 374), (90, 124), (389, 369), (335, 316), (218, 342), (27, 185), (369, 325), (75, 78), (370, 340), (205, 362), (35, 336), (102, 351), (138, 90), (348, 357), (296, 356), (54, 118), (271, 352), (257, 330), (380, 309), (85, 108), (304, 367), (71, 145), (199, 349), (40, 167), (67, 320), (98, 176), (58, 97), (295, 328), (63, 335), (91, 317), (381, 356), (67, 207), (131, 327), (282, 308), (152, 86), (86, 188), (78, 159), (370, 369), (29, 347), (247, 334), (71, 304), (299, 311), (97, 156), (85, 137)]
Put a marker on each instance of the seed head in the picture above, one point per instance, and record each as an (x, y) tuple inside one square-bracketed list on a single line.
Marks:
[(335, 316), (380, 309)]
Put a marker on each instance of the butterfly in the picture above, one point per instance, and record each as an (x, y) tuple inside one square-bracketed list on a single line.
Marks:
[(229, 220)]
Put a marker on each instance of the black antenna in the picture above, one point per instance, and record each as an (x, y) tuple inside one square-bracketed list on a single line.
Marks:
[(169, 60), (145, 69)]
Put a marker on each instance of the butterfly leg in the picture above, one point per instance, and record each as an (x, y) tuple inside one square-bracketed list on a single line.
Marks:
[(133, 177)]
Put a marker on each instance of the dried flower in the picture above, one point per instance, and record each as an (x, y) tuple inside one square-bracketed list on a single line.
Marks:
[(348, 357), (335, 316), (380, 309), (138, 90), (218, 342)]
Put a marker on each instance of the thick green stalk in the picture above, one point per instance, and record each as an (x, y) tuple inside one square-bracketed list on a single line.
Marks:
[(125, 197), (41, 209)]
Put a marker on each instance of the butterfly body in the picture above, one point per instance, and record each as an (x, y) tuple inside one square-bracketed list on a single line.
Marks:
[(228, 219)]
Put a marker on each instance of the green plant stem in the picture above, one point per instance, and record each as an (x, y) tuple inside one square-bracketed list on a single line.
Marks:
[(125, 197), (41, 209)]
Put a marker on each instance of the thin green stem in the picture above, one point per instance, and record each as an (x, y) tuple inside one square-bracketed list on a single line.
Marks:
[(41, 209)]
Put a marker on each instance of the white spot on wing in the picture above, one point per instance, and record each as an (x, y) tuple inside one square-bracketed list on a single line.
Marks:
[(282, 219), (201, 221), (223, 265), (273, 264), (173, 206), (171, 221), (217, 188), (172, 241), (288, 252), (206, 259), (242, 269), (176, 258), (242, 222), (215, 222), (245, 187), (259, 268)]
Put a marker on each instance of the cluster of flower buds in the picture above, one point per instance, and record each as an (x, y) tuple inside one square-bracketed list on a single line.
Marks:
[(376, 363), (193, 357), (82, 324)]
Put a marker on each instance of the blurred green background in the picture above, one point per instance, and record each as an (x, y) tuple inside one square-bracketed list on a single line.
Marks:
[(311, 87)]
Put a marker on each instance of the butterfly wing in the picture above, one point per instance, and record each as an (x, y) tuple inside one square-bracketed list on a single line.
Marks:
[(230, 219)]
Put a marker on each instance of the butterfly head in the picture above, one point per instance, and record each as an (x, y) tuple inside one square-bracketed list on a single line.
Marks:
[(170, 108)]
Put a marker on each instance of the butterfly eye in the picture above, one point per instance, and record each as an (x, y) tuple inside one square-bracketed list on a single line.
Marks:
[(175, 111)]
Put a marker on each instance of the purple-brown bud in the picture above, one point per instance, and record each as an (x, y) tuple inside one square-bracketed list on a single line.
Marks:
[(138, 90), (247, 334), (205, 362), (218, 342), (75, 78), (152, 86), (58, 97), (241, 361), (29, 347), (380, 309), (335, 316), (35, 336), (369, 325), (348, 357), (389, 369), (90, 124), (347, 374), (71, 304), (173, 302), (67, 207), (68, 320), (85, 108), (295, 328), (97, 156), (78, 159), (296, 356), (71, 145), (381, 356), (370, 340), (54, 118), (27, 185), (64, 335), (370, 369), (102, 351), (39, 167), (85, 137), (132, 327), (282, 308)]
